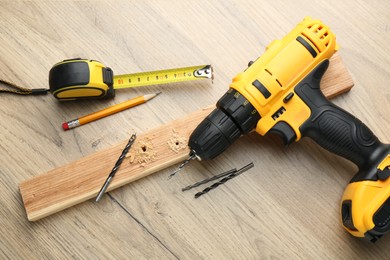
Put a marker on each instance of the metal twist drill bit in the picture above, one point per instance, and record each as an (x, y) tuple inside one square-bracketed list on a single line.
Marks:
[(222, 181), (116, 167), (191, 157), (210, 179)]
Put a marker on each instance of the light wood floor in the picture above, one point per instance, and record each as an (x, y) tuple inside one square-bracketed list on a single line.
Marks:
[(286, 207)]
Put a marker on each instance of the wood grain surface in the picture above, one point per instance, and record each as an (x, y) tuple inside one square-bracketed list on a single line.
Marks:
[(152, 151), (286, 207)]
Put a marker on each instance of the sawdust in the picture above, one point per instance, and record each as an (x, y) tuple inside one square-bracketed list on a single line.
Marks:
[(143, 152), (177, 142)]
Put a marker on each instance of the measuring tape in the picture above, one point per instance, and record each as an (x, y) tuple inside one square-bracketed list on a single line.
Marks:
[(85, 79)]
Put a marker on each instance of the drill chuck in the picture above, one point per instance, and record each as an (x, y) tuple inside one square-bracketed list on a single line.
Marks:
[(233, 117)]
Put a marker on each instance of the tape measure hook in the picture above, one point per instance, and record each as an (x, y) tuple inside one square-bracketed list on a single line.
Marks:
[(205, 72)]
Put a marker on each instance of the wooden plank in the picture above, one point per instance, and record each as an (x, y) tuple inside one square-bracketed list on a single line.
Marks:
[(337, 79), (154, 150)]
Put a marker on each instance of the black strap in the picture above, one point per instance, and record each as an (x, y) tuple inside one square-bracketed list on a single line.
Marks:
[(22, 91)]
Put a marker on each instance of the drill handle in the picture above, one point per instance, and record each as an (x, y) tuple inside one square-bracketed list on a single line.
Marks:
[(336, 130)]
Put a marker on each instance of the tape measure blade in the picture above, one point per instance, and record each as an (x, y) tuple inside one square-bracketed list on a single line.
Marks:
[(162, 76)]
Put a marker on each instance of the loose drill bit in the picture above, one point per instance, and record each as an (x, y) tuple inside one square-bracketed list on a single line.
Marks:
[(210, 179), (116, 167), (222, 181), (191, 157)]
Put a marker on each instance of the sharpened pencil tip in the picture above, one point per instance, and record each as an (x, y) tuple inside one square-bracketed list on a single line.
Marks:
[(150, 96)]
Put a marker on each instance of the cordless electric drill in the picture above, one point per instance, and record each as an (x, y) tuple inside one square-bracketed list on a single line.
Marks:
[(280, 93)]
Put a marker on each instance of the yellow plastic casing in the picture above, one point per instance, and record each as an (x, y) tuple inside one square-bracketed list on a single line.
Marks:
[(284, 64), (93, 87), (366, 197)]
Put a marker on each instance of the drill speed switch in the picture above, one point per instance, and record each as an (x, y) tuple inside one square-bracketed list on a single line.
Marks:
[(280, 93)]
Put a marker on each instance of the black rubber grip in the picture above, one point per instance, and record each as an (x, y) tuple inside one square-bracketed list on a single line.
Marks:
[(77, 73), (338, 131), (68, 74)]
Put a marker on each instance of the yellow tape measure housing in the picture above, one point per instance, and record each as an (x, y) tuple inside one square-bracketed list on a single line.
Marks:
[(85, 79)]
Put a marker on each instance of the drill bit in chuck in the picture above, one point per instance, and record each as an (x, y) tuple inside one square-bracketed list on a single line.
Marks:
[(191, 157)]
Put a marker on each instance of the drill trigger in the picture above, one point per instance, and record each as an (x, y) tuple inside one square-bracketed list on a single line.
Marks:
[(285, 131)]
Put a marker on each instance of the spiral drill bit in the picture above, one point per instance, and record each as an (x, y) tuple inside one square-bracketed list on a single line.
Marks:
[(116, 167), (210, 179), (191, 157), (222, 181)]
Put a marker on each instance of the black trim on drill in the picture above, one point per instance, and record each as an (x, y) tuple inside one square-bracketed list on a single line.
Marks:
[(346, 215), (285, 131), (213, 135), (383, 174), (261, 88), (307, 45), (337, 130), (288, 97), (234, 116), (381, 219), (240, 110)]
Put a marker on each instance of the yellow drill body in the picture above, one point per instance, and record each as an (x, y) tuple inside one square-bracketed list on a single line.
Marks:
[(279, 93)]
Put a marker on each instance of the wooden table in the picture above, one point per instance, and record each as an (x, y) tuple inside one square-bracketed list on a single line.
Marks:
[(287, 207)]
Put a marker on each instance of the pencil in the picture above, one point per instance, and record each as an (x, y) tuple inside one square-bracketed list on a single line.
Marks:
[(108, 111)]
